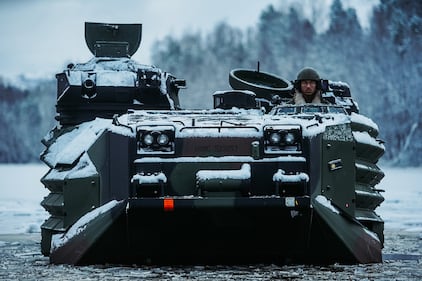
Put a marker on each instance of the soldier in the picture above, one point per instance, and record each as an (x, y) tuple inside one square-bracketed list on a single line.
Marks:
[(307, 87)]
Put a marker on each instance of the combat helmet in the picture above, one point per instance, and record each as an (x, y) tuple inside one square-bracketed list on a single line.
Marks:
[(308, 73)]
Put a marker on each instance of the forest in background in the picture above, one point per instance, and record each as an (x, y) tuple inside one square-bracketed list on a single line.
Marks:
[(382, 65)]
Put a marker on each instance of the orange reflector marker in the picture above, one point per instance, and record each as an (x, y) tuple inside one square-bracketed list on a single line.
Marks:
[(168, 204)]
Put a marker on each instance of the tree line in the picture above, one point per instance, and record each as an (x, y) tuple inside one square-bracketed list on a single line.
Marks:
[(382, 64), (26, 116)]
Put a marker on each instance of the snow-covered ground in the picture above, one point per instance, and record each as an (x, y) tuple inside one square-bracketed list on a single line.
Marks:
[(402, 208), (21, 193)]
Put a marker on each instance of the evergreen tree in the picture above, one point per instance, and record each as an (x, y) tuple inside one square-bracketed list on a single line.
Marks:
[(396, 28), (25, 117)]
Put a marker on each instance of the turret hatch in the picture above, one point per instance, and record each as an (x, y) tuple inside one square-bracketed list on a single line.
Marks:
[(113, 40)]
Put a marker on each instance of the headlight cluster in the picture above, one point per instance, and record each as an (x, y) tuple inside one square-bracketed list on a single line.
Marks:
[(155, 139), (282, 139)]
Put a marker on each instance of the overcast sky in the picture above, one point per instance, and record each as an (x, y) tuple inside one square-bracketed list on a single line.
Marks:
[(39, 37)]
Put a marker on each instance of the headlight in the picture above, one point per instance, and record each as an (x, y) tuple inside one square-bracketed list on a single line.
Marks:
[(148, 139), (162, 139), (155, 139), (275, 138), (289, 138), (282, 139)]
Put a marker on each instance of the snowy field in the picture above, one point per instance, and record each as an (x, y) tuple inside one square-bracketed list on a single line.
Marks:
[(21, 193), (402, 208)]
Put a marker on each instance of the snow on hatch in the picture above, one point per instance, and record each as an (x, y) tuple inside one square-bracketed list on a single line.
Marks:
[(116, 79), (310, 127)]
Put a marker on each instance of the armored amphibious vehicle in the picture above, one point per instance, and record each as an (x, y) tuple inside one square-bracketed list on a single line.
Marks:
[(134, 179)]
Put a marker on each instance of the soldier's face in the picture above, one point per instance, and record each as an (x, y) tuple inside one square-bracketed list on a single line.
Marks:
[(307, 87)]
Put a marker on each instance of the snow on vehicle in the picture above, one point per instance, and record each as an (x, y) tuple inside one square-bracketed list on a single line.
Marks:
[(133, 179)]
